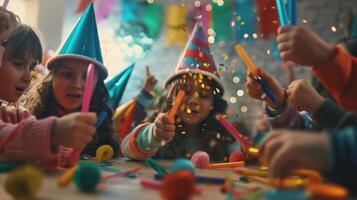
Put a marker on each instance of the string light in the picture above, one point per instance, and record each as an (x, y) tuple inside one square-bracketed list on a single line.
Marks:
[(240, 93), (244, 109), (236, 79), (233, 100), (333, 28)]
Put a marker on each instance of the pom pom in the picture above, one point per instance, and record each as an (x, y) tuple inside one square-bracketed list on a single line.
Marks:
[(179, 185), (236, 156), (200, 159), (104, 153), (24, 182), (87, 176), (182, 164)]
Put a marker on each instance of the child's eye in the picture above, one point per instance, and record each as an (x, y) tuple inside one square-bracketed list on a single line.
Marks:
[(17, 64), (67, 74)]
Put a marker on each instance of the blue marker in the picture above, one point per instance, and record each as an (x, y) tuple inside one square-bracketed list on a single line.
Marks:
[(101, 119), (292, 11), (283, 16), (264, 85)]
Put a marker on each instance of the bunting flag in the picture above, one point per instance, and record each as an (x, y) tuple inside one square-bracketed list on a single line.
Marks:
[(202, 11), (176, 33), (268, 17), (130, 11), (123, 118), (221, 20), (244, 20), (152, 19), (104, 8), (83, 4), (116, 86)]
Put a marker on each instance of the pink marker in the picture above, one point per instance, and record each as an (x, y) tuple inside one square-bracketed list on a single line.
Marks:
[(87, 95), (230, 128)]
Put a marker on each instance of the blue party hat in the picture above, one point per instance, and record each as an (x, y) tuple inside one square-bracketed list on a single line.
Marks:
[(116, 86), (82, 43)]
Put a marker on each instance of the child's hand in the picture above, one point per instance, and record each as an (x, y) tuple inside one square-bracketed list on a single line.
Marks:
[(300, 45), (255, 91), (74, 130), (164, 129), (150, 81), (286, 150), (13, 115), (301, 93)]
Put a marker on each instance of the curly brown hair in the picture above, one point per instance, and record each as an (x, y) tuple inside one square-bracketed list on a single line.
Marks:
[(42, 103)]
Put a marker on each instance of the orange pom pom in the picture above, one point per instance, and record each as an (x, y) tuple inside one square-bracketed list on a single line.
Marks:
[(179, 185)]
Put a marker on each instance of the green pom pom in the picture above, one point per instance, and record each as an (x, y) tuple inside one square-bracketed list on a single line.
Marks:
[(182, 163), (87, 176), (24, 182)]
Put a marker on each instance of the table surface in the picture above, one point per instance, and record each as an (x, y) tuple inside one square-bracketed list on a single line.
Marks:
[(123, 187)]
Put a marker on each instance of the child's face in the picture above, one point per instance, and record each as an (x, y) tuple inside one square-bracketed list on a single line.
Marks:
[(198, 100), (68, 83), (15, 77)]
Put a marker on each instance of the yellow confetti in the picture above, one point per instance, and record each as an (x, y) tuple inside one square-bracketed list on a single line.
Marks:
[(188, 110)]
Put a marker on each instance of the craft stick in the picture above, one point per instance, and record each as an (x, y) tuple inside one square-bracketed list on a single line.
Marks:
[(244, 56), (121, 174), (200, 179), (251, 172), (156, 166), (176, 104), (226, 165), (230, 128), (66, 178), (101, 119)]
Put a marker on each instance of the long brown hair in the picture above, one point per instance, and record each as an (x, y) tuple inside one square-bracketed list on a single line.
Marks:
[(42, 103)]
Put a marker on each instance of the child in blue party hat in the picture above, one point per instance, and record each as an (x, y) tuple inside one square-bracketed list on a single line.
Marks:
[(194, 128), (61, 91)]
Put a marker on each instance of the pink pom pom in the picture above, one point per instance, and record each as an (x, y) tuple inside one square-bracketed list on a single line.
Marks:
[(236, 156), (200, 159)]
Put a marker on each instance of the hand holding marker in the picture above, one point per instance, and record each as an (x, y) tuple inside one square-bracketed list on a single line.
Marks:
[(85, 107), (252, 69)]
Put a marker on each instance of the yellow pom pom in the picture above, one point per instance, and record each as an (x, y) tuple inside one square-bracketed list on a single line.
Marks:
[(24, 182), (104, 153)]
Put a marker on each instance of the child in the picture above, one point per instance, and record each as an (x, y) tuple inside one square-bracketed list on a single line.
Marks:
[(332, 66), (61, 91), (332, 152), (24, 138), (195, 127), (301, 95)]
